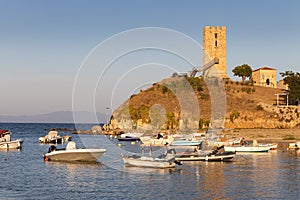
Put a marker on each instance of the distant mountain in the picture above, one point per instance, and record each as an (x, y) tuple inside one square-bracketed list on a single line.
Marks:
[(57, 117)]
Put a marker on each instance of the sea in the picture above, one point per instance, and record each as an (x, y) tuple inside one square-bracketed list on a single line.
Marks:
[(25, 175)]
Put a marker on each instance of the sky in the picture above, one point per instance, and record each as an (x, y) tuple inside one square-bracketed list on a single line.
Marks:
[(48, 48)]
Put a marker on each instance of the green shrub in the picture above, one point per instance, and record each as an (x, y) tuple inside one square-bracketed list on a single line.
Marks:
[(259, 107), (234, 115), (289, 137)]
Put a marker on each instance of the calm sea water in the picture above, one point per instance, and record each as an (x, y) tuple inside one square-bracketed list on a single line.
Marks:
[(24, 174)]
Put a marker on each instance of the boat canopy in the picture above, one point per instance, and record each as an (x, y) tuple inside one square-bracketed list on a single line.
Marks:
[(2, 131)]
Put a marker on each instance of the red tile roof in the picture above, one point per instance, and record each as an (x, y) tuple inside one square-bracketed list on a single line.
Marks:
[(264, 68)]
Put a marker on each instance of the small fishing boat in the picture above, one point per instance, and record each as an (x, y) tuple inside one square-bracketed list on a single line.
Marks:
[(71, 153), (272, 146), (130, 137), (294, 148), (248, 149), (218, 154), (185, 143), (15, 144), (294, 145), (6, 143), (227, 156), (166, 160), (159, 140), (53, 138)]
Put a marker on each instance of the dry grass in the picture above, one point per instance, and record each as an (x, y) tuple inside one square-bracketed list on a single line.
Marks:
[(272, 135)]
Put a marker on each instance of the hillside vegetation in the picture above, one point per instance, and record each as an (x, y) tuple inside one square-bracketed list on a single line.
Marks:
[(169, 104)]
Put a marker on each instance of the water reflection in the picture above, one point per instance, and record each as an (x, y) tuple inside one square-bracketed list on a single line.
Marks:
[(132, 169), (74, 171), (213, 179)]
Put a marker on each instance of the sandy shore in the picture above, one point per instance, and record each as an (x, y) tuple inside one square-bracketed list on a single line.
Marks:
[(263, 135)]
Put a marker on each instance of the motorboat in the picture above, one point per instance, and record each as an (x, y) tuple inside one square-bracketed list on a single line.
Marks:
[(272, 146), (185, 143), (159, 140), (166, 160), (130, 136), (218, 154), (71, 153), (245, 147), (294, 147), (226, 156), (53, 138), (248, 149), (15, 144), (6, 142)]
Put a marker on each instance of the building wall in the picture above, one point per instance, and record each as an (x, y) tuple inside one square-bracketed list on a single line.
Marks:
[(265, 77), (214, 45), (281, 85)]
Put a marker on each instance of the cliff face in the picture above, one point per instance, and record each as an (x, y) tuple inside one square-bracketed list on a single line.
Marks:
[(181, 103)]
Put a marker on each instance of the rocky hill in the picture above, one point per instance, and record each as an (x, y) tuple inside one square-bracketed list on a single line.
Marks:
[(197, 103)]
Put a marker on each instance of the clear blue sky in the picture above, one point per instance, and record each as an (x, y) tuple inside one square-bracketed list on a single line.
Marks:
[(43, 43)]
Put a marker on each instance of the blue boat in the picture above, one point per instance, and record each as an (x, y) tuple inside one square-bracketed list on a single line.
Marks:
[(185, 143)]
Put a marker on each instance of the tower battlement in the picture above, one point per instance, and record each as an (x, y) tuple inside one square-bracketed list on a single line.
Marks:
[(215, 28)]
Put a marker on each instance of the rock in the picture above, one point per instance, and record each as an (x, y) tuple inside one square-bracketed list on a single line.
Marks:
[(96, 129)]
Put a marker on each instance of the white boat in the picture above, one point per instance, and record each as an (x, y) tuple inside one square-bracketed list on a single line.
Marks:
[(71, 153), (160, 140), (227, 156), (54, 138), (164, 161), (131, 135), (294, 145), (272, 146), (248, 149), (6, 143), (148, 162), (185, 143), (218, 154), (15, 144), (294, 148)]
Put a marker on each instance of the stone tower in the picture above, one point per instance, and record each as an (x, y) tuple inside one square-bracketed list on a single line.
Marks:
[(214, 45)]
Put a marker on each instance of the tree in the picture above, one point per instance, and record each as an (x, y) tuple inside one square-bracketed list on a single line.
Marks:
[(244, 71), (293, 81)]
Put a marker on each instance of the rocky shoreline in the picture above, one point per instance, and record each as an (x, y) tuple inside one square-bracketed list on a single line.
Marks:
[(261, 135)]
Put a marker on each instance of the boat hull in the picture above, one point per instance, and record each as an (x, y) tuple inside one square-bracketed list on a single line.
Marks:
[(225, 157), (148, 141), (248, 149), (185, 143), (144, 162), (16, 144), (85, 155), (129, 139)]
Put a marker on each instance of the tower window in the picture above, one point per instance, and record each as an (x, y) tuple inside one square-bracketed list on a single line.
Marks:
[(216, 35), (216, 43)]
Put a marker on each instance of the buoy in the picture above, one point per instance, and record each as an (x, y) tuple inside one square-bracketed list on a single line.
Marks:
[(132, 142), (119, 145), (46, 159)]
